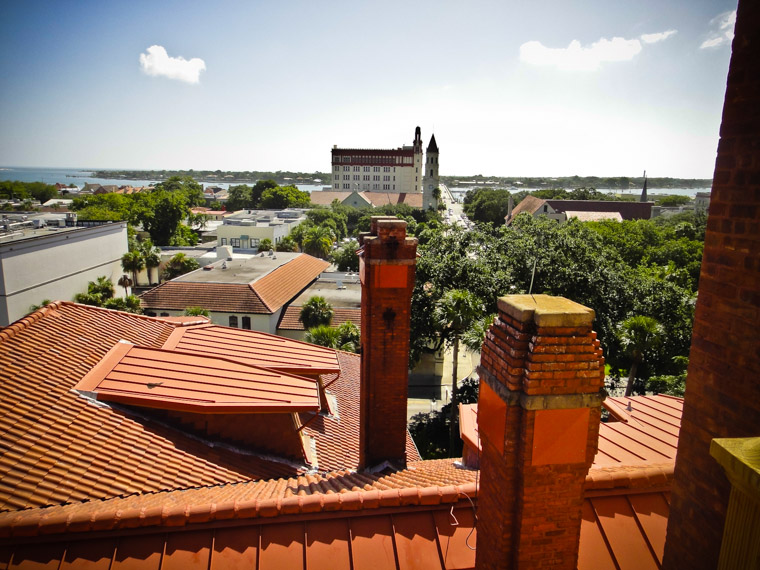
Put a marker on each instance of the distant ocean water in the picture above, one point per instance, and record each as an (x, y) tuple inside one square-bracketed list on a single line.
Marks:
[(81, 176)]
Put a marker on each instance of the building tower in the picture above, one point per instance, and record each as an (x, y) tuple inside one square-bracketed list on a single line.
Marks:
[(417, 160), (432, 176)]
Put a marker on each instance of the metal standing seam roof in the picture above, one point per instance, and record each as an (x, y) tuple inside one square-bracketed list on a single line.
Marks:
[(255, 348), (172, 380)]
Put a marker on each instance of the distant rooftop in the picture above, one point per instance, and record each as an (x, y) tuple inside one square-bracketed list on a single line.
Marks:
[(238, 270)]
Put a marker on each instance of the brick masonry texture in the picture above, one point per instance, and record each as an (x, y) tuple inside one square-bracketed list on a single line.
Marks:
[(529, 512), (722, 386), (386, 305)]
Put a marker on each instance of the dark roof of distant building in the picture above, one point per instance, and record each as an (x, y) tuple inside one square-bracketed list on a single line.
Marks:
[(628, 210), (432, 147)]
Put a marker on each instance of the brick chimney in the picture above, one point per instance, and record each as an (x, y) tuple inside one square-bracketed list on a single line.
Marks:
[(387, 261), (538, 416)]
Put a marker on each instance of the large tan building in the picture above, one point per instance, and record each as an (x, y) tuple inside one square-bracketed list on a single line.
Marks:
[(398, 170)]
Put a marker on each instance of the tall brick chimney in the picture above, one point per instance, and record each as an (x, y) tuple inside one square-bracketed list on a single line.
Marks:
[(387, 261), (538, 416)]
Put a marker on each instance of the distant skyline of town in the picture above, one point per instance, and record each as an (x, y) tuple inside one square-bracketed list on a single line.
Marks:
[(550, 89)]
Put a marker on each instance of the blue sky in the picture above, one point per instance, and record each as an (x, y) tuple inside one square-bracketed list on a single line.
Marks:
[(547, 87)]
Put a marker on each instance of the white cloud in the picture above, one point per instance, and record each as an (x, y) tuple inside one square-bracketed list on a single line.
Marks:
[(156, 63), (658, 37), (721, 30), (576, 57)]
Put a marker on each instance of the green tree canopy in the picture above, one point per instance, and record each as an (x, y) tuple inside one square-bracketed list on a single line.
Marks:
[(282, 197), (178, 265), (345, 257), (265, 245), (639, 335), (316, 311), (196, 312)]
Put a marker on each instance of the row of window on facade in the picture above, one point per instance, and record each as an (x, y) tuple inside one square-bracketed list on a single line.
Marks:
[(365, 177), (366, 168), (252, 243), (245, 322), (366, 186), (374, 159)]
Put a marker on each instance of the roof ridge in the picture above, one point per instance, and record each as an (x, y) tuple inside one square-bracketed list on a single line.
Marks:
[(6, 333), (35, 521), (630, 476)]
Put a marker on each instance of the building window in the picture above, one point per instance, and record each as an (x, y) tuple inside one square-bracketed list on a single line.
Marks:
[(346, 187), (150, 313), (386, 186), (337, 168), (386, 178), (346, 168), (366, 169), (164, 314), (233, 321), (247, 323), (357, 168), (386, 168), (346, 159), (235, 242), (356, 177), (366, 177), (376, 169), (223, 241), (375, 186), (346, 177)]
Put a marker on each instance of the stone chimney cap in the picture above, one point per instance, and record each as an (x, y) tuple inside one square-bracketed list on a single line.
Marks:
[(546, 310)]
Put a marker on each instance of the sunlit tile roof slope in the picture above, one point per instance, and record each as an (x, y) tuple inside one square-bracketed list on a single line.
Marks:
[(289, 321), (255, 348), (338, 441), (57, 446), (172, 380), (287, 281), (221, 297)]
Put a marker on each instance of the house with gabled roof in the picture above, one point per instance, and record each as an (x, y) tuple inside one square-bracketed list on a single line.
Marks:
[(249, 293)]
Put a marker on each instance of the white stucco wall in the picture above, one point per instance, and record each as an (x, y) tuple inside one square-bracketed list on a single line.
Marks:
[(57, 265)]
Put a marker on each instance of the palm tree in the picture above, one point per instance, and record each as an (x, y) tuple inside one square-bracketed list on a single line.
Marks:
[(324, 335), (318, 241), (196, 311), (102, 286), (455, 313), (126, 282), (151, 255), (133, 261), (178, 265), (638, 335), (316, 311)]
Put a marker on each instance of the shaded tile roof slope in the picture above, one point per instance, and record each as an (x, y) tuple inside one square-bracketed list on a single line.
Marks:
[(220, 297), (57, 446), (529, 204), (289, 321)]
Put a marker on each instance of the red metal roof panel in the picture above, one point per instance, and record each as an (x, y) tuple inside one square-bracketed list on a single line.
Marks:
[(173, 380), (255, 348)]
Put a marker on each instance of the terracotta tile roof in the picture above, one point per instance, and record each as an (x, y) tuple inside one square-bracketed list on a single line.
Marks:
[(383, 198), (422, 483), (172, 380), (255, 348), (529, 204), (265, 295), (289, 319), (58, 446), (220, 297), (287, 281), (326, 197)]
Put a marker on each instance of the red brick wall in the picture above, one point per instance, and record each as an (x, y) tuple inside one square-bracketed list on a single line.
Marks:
[(538, 419), (723, 382), (387, 261)]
